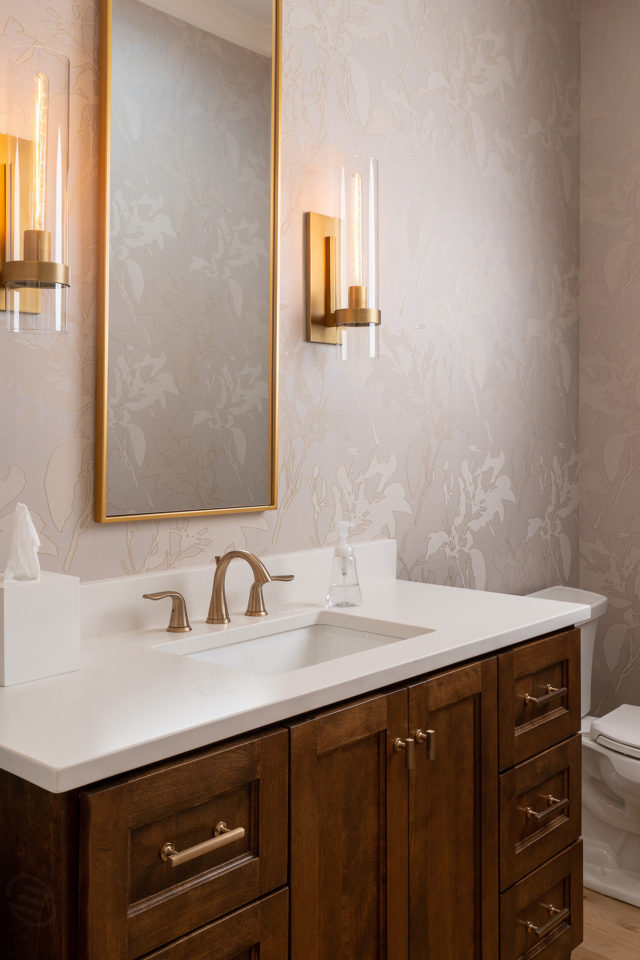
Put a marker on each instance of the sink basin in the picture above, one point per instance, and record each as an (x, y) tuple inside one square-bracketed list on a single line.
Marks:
[(295, 643)]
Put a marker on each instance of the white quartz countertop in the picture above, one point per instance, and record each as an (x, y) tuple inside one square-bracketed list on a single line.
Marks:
[(131, 704)]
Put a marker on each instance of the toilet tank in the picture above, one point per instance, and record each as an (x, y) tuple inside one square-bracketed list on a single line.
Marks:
[(598, 605)]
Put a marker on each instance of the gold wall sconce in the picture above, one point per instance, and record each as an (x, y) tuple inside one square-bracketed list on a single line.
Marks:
[(34, 164), (342, 266)]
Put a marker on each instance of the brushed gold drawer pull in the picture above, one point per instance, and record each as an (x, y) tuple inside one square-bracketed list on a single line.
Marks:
[(428, 737), (409, 746), (557, 917), (552, 694), (554, 806), (222, 835)]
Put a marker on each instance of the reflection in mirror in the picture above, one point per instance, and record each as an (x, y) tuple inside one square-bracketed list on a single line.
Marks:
[(188, 350)]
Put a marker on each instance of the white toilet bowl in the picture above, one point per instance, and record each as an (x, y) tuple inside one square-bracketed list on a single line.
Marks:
[(611, 803), (610, 775)]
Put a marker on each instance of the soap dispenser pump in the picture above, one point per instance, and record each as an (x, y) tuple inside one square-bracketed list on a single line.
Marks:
[(344, 588)]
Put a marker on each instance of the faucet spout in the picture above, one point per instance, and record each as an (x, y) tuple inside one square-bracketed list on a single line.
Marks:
[(218, 610)]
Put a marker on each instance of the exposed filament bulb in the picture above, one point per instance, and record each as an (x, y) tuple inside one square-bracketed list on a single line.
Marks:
[(357, 229), (39, 155)]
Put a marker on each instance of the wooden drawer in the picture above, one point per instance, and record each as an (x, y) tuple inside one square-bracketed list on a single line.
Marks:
[(528, 927), (538, 671), (133, 900), (259, 930), (532, 828)]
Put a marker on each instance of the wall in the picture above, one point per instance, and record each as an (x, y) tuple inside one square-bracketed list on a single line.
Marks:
[(610, 341), (461, 440)]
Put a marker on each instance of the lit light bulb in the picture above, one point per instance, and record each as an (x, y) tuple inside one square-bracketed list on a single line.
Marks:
[(357, 230), (39, 161)]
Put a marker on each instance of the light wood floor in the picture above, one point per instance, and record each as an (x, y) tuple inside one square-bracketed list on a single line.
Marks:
[(611, 930)]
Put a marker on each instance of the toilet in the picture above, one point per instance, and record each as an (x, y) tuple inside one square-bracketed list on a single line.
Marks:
[(610, 774)]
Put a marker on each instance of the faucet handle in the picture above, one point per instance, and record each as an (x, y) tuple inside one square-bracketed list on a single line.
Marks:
[(179, 620), (256, 607)]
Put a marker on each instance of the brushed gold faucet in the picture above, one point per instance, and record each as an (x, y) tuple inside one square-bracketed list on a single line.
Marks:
[(218, 610)]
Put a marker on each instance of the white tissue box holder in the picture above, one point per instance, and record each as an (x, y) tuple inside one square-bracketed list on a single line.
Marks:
[(39, 628)]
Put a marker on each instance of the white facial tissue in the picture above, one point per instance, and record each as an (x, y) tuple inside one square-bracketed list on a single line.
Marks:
[(23, 563)]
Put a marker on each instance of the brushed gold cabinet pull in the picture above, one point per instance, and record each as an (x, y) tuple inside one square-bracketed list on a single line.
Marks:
[(557, 917), (222, 835), (409, 746), (552, 694), (554, 806), (428, 737)]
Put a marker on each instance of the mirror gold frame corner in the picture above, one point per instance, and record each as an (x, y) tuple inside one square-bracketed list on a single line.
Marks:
[(102, 342)]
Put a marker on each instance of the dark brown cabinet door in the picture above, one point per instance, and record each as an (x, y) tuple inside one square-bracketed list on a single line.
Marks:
[(348, 853), (453, 822)]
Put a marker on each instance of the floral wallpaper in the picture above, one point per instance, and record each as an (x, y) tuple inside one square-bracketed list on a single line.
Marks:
[(461, 440), (610, 341), (189, 346)]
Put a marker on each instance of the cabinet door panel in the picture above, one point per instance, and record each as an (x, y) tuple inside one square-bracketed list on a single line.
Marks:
[(257, 932), (541, 916), (348, 851), (527, 840), (453, 819), (131, 900), (539, 696)]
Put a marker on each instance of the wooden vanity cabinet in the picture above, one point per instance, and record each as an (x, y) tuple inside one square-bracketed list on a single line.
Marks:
[(393, 849), (393, 827)]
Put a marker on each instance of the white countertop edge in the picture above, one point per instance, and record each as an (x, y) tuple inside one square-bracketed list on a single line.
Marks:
[(89, 771)]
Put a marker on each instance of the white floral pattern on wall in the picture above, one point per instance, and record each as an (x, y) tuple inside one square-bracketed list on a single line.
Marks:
[(610, 341), (461, 440)]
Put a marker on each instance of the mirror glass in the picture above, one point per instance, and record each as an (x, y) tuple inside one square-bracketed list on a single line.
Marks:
[(186, 375)]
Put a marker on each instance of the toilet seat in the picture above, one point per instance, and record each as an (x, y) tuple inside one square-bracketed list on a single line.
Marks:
[(618, 731)]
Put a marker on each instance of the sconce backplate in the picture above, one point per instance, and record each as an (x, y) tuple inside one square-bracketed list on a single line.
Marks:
[(322, 238), (30, 299)]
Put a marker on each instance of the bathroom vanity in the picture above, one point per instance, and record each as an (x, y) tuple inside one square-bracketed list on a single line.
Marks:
[(420, 799)]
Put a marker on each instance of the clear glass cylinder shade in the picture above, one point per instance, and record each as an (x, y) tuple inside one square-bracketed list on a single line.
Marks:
[(358, 341), (34, 164), (357, 316)]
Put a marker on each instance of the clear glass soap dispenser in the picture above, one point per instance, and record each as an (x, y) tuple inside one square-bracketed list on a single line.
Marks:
[(344, 588)]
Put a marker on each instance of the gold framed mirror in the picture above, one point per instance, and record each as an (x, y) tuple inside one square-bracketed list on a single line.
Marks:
[(186, 381)]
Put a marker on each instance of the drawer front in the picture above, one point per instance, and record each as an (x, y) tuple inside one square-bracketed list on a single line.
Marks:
[(539, 686), (540, 809), (136, 894), (260, 930), (541, 916)]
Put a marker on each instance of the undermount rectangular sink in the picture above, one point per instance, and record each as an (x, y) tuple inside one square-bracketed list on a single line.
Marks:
[(292, 644)]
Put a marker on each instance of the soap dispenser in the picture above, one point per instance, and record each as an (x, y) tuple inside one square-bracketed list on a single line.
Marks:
[(344, 588)]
